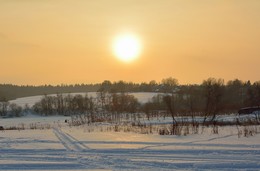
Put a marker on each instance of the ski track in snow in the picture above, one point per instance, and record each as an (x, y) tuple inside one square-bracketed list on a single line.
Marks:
[(149, 159), (77, 155)]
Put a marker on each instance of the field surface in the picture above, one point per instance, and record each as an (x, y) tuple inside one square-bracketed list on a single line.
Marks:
[(65, 148)]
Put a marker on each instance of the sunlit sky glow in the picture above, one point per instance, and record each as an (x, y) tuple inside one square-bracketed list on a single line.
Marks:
[(64, 41)]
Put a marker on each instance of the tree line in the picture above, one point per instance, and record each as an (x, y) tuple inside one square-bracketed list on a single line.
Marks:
[(10, 92), (208, 99), (105, 107)]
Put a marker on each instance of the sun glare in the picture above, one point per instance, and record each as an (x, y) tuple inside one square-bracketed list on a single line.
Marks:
[(126, 47)]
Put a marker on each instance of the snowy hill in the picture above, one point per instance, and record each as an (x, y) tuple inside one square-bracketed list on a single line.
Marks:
[(30, 101)]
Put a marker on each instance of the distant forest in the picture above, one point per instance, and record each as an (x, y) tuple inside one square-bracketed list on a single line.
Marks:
[(10, 92)]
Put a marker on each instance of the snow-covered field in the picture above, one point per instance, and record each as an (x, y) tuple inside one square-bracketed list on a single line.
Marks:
[(74, 148), (61, 147)]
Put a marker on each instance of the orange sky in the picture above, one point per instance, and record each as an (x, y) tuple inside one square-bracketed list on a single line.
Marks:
[(65, 41)]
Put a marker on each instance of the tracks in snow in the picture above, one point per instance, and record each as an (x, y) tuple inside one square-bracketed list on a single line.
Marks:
[(82, 154), (75, 148), (203, 157), (69, 142)]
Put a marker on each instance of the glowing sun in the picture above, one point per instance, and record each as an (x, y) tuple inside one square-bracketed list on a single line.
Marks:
[(126, 47)]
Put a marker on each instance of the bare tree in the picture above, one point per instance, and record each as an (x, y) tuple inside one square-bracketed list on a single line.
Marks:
[(3, 107), (169, 101), (213, 89), (15, 110), (60, 104)]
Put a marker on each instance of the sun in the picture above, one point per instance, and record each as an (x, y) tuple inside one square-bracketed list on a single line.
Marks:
[(127, 47)]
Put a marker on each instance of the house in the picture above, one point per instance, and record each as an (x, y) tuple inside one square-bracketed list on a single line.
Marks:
[(249, 110)]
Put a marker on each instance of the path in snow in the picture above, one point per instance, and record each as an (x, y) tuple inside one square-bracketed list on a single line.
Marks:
[(148, 158), (69, 142)]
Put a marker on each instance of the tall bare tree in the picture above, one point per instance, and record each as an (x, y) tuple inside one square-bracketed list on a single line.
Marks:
[(213, 91)]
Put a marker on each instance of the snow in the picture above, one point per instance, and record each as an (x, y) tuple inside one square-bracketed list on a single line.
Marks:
[(33, 119), (61, 147), (142, 97), (74, 148)]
